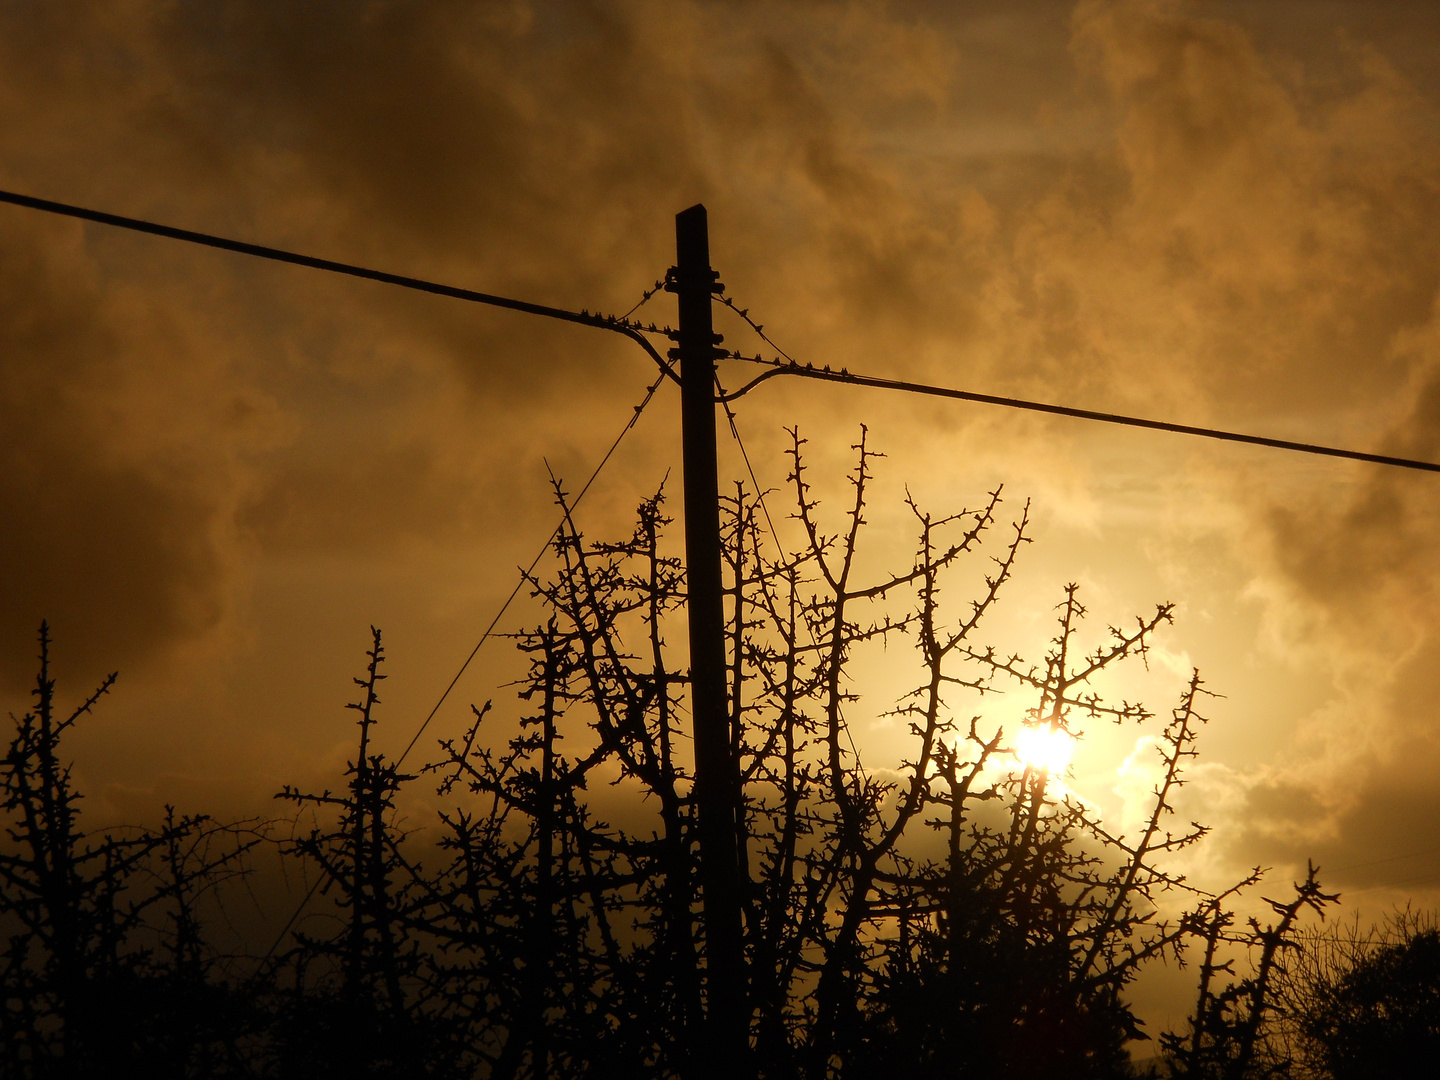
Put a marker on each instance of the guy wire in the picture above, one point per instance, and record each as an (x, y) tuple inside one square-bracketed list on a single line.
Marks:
[(525, 576)]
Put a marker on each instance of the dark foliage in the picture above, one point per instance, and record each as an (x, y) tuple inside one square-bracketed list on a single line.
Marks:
[(104, 971), (1365, 1005), (1382, 1018)]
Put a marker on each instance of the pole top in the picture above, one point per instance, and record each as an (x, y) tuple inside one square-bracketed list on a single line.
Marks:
[(692, 239)]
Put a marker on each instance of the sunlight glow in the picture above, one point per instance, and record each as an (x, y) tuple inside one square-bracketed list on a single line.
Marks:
[(1045, 747)]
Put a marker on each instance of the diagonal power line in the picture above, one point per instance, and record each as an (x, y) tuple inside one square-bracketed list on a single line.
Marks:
[(825, 374), (525, 576), (583, 318)]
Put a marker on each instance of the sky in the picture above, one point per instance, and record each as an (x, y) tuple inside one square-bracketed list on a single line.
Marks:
[(219, 472)]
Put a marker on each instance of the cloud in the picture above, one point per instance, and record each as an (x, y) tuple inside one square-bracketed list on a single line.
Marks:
[(533, 150), (111, 542), (1164, 208)]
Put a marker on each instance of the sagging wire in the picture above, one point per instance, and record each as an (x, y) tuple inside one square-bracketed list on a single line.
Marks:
[(584, 317), (785, 364), (841, 375), (644, 299)]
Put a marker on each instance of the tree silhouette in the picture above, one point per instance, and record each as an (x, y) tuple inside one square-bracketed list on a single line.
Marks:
[(1010, 953), (1366, 1005), (961, 914), (1231, 1031)]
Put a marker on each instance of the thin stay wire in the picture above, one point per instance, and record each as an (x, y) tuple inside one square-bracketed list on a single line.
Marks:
[(1390, 859), (1423, 879), (299, 908), (489, 630), (725, 399), (744, 313), (529, 570), (644, 299), (759, 491)]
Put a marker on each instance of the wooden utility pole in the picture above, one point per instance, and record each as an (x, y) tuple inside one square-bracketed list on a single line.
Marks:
[(717, 780)]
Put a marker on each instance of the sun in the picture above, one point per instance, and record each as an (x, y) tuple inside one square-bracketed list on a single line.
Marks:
[(1045, 747)]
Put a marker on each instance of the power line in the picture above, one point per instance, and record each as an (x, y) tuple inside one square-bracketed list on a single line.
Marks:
[(774, 536), (304, 901), (623, 326), (825, 374), (1392, 858), (583, 318), (634, 332), (1423, 879), (793, 367)]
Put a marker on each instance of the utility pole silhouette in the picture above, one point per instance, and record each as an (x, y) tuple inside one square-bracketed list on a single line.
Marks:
[(717, 781)]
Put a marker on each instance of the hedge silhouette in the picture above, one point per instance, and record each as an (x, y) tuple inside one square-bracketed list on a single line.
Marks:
[(962, 915)]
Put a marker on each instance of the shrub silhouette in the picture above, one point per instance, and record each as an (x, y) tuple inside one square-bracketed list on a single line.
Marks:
[(355, 1011), (962, 915), (105, 971), (1360, 1006), (1382, 1017)]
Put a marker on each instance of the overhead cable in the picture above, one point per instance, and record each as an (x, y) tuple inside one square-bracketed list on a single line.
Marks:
[(826, 374), (583, 318), (635, 331), (525, 576)]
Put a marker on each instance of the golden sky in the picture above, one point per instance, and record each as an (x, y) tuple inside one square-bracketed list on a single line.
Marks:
[(217, 472)]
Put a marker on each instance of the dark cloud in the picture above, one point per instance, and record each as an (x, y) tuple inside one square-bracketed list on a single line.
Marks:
[(114, 547)]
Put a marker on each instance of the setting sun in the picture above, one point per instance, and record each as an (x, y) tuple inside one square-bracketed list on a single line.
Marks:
[(1045, 747)]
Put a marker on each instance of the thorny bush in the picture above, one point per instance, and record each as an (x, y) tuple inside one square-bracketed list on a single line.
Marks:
[(960, 915)]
